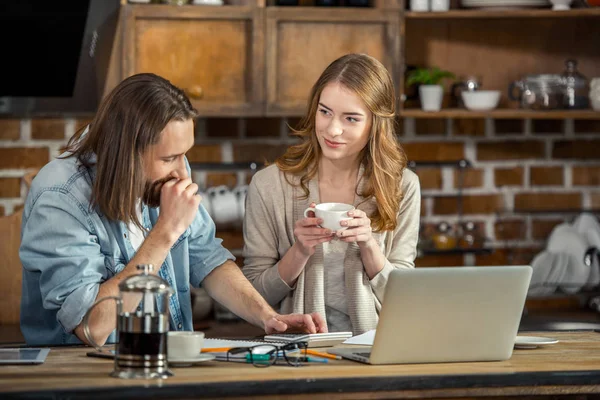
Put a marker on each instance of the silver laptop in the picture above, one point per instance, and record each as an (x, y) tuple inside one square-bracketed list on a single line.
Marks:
[(447, 314)]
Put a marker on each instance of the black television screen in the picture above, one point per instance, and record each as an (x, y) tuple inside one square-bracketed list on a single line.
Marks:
[(56, 55)]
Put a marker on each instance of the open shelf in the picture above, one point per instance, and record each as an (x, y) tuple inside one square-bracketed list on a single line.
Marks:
[(501, 113), (523, 13)]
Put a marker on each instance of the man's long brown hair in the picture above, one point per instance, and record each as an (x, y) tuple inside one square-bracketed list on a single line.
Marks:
[(383, 158), (129, 120)]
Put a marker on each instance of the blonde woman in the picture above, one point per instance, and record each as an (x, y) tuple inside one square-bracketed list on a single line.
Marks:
[(348, 153)]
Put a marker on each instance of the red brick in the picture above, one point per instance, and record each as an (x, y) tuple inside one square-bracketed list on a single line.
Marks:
[(508, 176), (510, 150), (232, 239), (542, 228), (263, 127), (508, 256), (430, 178), (508, 126), (595, 198), (221, 178), (204, 153), (222, 127), (48, 129), (82, 123), (509, 229), (399, 126), (475, 204), (468, 127), (576, 149), (293, 122), (430, 126), (10, 129), (547, 201), (439, 260), (247, 152), (23, 157), (544, 126), (586, 176), (586, 126), (471, 178), (434, 151), (10, 187), (546, 176)]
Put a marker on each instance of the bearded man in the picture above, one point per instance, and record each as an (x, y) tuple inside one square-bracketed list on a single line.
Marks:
[(118, 197)]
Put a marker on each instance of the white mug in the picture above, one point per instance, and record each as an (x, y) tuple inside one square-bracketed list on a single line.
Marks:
[(205, 202), (331, 214), (223, 204), (240, 195), (184, 345)]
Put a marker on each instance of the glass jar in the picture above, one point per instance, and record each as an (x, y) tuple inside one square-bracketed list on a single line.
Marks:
[(470, 236), (444, 238), (576, 87)]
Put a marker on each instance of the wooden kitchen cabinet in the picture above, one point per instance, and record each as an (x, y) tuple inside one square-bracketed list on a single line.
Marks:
[(300, 45), (216, 54)]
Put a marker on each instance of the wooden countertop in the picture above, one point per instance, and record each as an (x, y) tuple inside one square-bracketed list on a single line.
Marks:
[(570, 367)]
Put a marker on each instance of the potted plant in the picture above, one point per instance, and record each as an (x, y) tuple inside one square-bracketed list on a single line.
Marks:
[(430, 89)]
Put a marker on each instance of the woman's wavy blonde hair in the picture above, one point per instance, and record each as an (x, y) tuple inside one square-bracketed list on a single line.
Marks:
[(383, 158)]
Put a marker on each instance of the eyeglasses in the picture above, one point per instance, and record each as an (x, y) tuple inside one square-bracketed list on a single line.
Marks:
[(264, 355)]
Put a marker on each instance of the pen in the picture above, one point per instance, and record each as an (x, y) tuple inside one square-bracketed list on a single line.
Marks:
[(324, 355), (312, 359)]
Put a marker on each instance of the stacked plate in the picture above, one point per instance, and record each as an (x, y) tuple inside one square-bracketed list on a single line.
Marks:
[(504, 4)]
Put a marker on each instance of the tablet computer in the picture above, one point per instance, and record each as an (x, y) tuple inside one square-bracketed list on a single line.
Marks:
[(23, 356)]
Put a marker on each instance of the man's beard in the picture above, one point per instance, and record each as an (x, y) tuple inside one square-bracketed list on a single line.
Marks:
[(152, 191)]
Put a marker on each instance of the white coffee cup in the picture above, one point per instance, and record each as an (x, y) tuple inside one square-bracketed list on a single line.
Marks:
[(184, 345), (331, 214), (223, 205)]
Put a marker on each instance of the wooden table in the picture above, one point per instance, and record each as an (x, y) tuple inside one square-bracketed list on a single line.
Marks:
[(570, 368)]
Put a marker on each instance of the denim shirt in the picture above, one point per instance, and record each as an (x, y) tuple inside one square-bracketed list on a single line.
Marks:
[(68, 249)]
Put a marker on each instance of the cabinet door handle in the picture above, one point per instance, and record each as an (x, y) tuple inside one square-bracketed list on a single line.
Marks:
[(195, 92)]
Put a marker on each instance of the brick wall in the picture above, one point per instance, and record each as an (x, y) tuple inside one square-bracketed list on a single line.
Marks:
[(526, 176)]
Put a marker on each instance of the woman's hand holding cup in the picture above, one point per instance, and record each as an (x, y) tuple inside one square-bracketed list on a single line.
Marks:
[(309, 233), (358, 228)]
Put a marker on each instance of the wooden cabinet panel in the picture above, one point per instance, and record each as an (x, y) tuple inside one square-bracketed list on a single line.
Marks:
[(216, 54), (301, 45)]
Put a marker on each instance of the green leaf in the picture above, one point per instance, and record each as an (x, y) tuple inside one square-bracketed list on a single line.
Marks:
[(428, 76)]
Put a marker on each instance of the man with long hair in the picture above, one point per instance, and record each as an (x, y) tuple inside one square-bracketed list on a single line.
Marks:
[(120, 196)]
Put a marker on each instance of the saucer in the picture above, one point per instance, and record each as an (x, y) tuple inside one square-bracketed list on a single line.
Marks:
[(531, 342), (186, 362)]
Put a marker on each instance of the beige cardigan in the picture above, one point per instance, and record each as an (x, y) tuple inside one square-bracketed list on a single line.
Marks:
[(272, 208)]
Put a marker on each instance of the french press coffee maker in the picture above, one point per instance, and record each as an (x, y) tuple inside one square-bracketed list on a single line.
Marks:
[(142, 326)]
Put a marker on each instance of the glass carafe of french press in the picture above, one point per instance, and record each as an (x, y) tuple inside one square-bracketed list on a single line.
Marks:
[(142, 326)]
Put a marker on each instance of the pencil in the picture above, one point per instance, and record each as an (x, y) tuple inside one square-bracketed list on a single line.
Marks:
[(324, 355), (215, 350)]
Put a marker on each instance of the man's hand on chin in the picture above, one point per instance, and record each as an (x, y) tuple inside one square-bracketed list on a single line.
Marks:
[(309, 323)]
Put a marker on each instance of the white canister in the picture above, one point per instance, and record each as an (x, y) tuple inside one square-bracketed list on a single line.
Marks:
[(419, 5)]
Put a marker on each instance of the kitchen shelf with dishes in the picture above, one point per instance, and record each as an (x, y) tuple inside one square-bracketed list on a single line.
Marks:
[(507, 13), (501, 113)]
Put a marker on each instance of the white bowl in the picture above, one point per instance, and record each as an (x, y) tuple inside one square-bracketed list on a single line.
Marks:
[(561, 4), (481, 100)]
